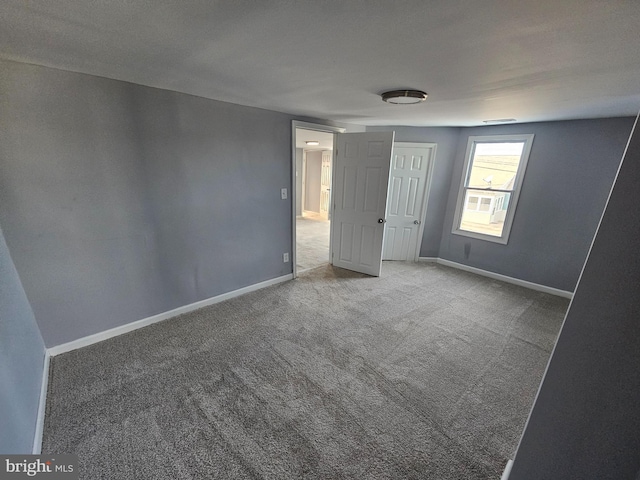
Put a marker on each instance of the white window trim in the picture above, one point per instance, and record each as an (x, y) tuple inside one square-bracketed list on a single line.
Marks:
[(515, 194)]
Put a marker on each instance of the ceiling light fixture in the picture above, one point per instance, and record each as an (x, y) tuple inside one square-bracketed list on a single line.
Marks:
[(404, 97), (312, 142), (500, 120)]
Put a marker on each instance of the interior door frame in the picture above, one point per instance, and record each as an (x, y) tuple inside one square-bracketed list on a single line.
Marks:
[(318, 127), (427, 188)]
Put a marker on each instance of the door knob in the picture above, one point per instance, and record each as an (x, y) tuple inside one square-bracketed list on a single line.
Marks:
[(381, 220), (417, 222)]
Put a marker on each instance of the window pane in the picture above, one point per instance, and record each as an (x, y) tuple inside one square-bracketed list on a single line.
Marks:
[(482, 218), (494, 165)]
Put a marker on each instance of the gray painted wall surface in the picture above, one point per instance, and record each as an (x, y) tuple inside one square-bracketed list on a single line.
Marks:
[(312, 184), (585, 423), (569, 175), (447, 141), (21, 361), (119, 201)]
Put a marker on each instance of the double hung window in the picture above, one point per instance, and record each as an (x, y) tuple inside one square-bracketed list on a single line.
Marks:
[(491, 182)]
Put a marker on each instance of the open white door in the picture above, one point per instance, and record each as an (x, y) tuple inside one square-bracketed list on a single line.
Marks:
[(361, 172), (408, 191)]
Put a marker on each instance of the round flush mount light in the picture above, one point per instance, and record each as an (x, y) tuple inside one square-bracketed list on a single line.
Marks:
[(404, 97), (499, 120), (312, 143)]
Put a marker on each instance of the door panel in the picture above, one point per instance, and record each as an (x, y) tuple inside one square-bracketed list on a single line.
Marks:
[(373, 188), (394, 195), (361, 170), (345, 252), (407, 195), (368, 255), (411, 196)]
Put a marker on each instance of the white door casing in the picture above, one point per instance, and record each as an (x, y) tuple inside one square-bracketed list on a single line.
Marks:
[(361, 179), (295, 125), (303, 192), (406, 205)]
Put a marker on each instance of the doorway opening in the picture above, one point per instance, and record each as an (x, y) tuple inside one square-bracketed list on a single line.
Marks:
[(312, 177), (374, 184), (314, 155)]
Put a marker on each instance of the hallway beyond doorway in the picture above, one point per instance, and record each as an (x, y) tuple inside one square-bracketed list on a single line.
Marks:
[(312, 238)]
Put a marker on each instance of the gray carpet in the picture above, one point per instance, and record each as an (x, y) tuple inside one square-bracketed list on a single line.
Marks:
[(312, 242), (425, 373)]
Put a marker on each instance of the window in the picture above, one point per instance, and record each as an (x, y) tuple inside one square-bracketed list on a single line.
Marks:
[(492, 178)]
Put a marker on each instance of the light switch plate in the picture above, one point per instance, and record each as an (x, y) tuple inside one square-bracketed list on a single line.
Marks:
[(283, 193)]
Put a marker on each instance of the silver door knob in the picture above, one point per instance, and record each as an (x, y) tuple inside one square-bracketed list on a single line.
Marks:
[(417, 222), (381, 220)]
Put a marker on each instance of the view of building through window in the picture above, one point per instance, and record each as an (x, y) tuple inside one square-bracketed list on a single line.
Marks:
[(488, 186)]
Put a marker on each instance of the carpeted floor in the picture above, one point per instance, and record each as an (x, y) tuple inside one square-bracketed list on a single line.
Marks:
[(312, 242), (424, 373)]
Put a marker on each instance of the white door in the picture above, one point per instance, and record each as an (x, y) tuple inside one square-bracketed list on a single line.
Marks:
[(361, 170), (325, 184), (407, 199)]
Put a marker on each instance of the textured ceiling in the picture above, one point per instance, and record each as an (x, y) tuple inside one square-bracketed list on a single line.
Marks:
[(530, 60)]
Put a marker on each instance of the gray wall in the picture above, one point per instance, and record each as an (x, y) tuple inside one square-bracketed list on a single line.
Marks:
[(446, 139), (21, 361), (119, 201), (569, 174), (312, 184), (586, 421)]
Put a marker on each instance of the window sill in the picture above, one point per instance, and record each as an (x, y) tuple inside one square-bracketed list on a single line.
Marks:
[(481, 236)]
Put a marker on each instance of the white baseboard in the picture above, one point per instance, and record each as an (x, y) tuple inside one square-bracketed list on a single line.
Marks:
[(504, 278), (42, 405), (428, 259), (507, 471), (114, 332)]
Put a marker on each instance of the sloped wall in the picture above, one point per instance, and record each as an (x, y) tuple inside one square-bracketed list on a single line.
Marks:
[(585, 422), (21, 361)]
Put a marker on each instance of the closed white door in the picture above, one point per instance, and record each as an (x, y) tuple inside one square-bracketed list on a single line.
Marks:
[(325, 184), (408, 192), (361, 170)]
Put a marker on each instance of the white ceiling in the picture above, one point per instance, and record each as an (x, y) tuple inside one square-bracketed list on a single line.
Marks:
[(530, 60)]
